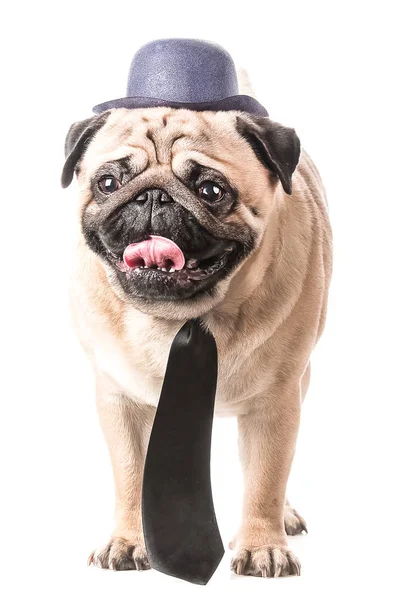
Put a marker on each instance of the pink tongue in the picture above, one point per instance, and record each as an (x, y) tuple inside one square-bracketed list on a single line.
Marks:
[(155, 252)]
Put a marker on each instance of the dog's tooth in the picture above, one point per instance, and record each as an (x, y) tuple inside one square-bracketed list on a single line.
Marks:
[(164, 269), (172, 270), (137, 269), (146, 266), (192, 263)]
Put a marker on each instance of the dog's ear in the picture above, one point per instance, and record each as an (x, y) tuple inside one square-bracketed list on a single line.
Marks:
[(79, 136), (276, 146)]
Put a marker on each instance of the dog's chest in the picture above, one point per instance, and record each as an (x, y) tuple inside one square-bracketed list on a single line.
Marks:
[(137, 365)]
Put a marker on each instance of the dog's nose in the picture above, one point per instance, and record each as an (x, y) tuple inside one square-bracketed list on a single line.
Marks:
[(154, 196)]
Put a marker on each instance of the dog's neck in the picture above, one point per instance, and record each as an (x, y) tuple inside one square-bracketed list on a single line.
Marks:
[(270, 272), (249, 279)]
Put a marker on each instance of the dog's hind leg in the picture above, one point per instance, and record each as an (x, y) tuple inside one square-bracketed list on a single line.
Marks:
[(294, 523)]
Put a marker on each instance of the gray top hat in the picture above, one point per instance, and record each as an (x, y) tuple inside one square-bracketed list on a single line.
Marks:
[(183, 73)]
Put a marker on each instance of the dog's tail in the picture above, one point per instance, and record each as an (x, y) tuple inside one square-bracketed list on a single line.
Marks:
[(245, 85)]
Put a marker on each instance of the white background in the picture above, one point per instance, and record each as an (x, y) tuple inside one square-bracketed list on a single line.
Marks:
[(329, 70)]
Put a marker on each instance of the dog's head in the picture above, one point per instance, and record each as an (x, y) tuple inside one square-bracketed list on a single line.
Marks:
[(174, 201)]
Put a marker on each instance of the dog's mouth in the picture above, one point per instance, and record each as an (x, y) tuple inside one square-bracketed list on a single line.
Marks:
[(160, 258)]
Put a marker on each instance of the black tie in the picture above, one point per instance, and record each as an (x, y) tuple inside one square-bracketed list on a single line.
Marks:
[(180, 528)]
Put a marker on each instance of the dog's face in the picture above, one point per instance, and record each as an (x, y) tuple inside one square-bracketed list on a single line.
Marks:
[(202, 182)]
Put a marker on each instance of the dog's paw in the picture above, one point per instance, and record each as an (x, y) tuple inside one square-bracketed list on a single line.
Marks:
[(294, 523), (267, 561), (120, 554)]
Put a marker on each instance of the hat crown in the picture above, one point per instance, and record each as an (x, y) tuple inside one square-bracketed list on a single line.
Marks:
[(182, 70)]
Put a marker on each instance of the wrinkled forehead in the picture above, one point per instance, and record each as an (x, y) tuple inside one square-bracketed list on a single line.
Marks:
[(168, 137)]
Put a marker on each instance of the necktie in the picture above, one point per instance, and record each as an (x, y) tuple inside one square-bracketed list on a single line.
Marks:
[(180, 528)]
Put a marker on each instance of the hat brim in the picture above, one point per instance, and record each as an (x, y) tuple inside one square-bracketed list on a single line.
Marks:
[(240, 102)]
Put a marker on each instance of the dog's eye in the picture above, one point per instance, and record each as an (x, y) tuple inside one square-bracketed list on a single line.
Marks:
[(108, 184), (210, 191)]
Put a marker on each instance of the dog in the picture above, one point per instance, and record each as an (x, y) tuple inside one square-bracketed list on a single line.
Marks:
[(248, 209)]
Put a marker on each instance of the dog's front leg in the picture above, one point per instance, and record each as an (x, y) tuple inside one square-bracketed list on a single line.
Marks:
[(126, 425), (267, 438)]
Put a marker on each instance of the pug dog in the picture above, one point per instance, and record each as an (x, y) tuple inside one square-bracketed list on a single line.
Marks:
[(248, 211)]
